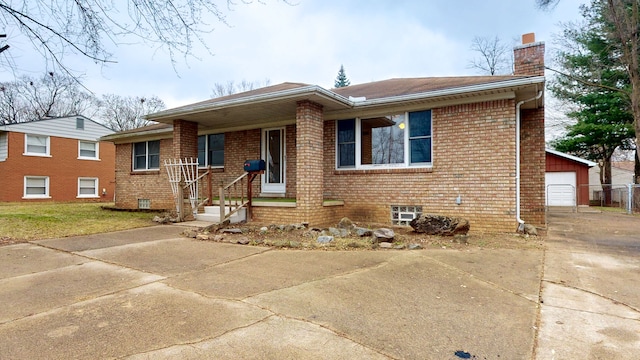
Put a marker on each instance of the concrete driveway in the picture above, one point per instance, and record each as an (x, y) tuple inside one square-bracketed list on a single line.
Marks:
[(591, 288), (151, 294)]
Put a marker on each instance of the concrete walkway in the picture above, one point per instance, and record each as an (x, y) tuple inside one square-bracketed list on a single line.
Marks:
[(151, 294), (591, 288)]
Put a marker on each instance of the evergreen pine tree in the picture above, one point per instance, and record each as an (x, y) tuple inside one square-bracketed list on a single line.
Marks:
[(341, 80)]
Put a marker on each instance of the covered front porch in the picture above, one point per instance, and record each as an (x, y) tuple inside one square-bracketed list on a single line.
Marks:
[(286, 132)]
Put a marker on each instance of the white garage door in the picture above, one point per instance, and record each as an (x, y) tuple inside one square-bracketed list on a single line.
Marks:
[(560, 188)]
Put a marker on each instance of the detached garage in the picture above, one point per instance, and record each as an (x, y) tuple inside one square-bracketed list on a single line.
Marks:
[(566, 179)]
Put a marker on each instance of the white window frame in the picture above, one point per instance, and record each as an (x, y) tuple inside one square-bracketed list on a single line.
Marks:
[(47, 152), (36, 196), (358, 148), (97, 150), (133, 156), (95, 188)]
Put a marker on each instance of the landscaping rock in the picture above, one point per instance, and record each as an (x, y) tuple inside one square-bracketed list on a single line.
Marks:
[(440, 225), (313, 233), (263, 230), (244, 240), (384, 235), (159, 219), (386, 245), (231, 231), (190, 233), (202, 237), (530, 230), (218, 238), (362, 232), (415, 247), (165, 219), (338, 232), (324, 239), (345, 223)]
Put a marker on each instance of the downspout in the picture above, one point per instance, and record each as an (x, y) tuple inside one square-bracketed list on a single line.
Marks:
[(518, 219)]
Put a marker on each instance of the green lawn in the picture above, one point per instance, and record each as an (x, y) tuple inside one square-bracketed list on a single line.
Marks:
[(32, 221)]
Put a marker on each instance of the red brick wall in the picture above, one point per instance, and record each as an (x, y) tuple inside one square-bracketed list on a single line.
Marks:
[(532, 168), (291, 161), (239, 146), (185, 139), (63, 169), (133, 185), (309, 164), (556, 163), (473, 156), (529, 59)]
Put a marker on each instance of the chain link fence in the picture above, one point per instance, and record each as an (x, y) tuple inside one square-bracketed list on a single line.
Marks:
[(623, 196)]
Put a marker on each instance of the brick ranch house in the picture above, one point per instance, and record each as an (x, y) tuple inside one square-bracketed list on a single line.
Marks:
[(471, 147), (56, 159)]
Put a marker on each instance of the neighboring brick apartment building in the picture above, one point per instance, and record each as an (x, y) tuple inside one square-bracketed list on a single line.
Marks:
[(56, 159), (383, 151)]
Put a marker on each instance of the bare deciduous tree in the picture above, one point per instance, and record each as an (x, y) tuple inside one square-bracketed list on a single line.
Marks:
[(52, 95), (88, 28), (231, 87), (495, 56), (125, 113)]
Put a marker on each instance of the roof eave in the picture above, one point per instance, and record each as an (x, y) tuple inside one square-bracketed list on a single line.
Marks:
[(302, 92), (119, 137), (571, 157), (453, 91)]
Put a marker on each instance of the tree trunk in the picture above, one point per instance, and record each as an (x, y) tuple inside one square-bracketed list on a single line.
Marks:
[(607, 181)]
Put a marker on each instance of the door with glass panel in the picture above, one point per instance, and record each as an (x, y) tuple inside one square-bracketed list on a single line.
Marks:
[(273, 180)]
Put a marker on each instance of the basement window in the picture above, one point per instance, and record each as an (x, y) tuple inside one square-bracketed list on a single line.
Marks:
[(144, 204), (403, 214)]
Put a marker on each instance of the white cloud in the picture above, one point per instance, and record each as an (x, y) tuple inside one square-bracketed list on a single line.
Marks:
[(307, 42)]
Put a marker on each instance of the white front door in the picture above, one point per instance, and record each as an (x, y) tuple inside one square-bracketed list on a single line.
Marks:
[(273, 153)]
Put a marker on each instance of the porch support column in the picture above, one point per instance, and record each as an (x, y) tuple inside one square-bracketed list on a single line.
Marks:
[(309, 161), (185, 139)]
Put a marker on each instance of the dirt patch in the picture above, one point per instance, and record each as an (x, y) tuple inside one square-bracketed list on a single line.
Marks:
[(405, 238)]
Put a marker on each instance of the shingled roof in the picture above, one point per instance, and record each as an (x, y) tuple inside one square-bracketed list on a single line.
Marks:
[(408, 86), (277, 103)]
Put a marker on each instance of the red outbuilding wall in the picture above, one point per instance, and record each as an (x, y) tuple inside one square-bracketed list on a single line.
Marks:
[(557, 163)]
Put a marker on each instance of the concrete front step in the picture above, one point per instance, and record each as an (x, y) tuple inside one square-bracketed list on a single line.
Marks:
[(212, 214)]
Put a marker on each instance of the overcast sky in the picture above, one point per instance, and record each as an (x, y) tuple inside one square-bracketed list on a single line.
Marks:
[(309, 40)]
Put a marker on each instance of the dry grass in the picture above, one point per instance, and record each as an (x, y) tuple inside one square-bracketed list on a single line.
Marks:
[(20, 222)]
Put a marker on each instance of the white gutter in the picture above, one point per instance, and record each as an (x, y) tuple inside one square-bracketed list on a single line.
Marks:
[(454, 91), (520, 221), (327, 94), (279, 95)]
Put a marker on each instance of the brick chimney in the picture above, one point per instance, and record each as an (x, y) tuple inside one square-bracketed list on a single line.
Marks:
[(529, 57)]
